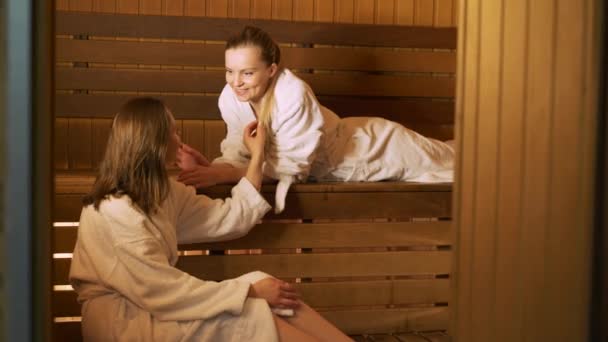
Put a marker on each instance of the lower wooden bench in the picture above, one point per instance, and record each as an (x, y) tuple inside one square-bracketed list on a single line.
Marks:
[(373, 258)]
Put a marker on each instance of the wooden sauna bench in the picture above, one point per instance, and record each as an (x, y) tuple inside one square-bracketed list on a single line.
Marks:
[(374, 258)]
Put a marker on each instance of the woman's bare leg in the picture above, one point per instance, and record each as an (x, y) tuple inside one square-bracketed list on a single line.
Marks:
[(289, 333), (310, 322)]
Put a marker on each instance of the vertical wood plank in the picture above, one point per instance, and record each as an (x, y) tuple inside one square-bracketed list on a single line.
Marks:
[(539, 89), (466, 118), (443, 13), (79, 144), (173, 7), (239, 8), (81, 5), (104, 6), (127, 6), (261, 9), (101, 132), (61, 144), (193, 134), (364, 11), (195, 8), (217, 8), (565, 178), (345, 11), (62, 5), (385, 12), (484, 255), (510, 176), (404, 12), (324, 10), (150, 7), (215, 132), (423, 12), (303, 10), (282, 9), (455, 12)]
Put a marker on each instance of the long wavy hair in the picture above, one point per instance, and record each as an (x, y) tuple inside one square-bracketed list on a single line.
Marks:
[(135, 156), (270, 53)]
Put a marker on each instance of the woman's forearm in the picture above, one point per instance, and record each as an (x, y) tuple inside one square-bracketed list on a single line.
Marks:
[(254, 172)]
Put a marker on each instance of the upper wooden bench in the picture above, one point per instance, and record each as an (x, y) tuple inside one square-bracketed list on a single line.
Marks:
[(372, 257)]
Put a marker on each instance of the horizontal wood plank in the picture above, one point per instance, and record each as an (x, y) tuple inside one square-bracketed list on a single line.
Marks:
[(220, 29), (361, 264), (350, 321), (196, 54), (203, 81), (270, 235), (327, 294), (315, 205), (406, 111), (389, 320)]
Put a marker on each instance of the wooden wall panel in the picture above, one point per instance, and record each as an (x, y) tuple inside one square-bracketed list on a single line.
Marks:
[(382, 12), (364, 11), (127, 6), (523, 230), (195, 8), (104, 6), (282, 10)]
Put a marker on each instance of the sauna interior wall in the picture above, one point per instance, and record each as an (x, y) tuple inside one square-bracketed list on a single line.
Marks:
[(79, 142)]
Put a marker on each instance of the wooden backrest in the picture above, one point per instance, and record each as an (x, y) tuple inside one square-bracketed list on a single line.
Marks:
[(402, 73), (373, 257)]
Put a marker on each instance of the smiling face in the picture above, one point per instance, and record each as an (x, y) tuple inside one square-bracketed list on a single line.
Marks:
[(247, 74)]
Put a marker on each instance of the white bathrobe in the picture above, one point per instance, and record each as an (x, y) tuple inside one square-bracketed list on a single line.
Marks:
[(123, 271), (308, 139)]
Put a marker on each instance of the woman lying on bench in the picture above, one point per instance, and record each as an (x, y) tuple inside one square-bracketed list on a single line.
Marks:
[(305, 137), (123, 267)]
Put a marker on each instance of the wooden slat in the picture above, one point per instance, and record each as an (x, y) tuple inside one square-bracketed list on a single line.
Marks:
[(80, 143), (327, 294), (177, 27), (320, 205), (403, 110), (60, 147), (216, 267), (389, 320), (190, 54), (68, 331), (106, 105), (311, 235), (80, 182), (215, 132), (349, 321), (212, 81)]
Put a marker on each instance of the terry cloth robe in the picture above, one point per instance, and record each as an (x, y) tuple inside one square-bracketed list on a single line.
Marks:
[(308, 139), (123, 270)]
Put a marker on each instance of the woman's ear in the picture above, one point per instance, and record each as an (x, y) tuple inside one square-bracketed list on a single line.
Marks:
[(273, 69)]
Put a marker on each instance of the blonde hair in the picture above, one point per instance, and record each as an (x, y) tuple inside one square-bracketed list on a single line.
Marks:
[(135, 156), (270, 53)]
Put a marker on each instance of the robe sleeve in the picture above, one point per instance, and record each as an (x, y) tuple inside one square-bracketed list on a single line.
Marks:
[(234, 151), (144, 275), (202, 219)]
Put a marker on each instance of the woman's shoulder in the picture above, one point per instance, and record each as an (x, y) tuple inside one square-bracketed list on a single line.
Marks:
[(290, 88), (120, 209)]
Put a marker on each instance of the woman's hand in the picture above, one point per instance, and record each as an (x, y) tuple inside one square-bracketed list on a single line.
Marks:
[(276, 292), (254, 138), (189, 158), (201, 176)]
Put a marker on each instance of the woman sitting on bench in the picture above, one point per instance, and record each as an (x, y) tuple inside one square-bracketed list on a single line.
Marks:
[(305, 137), (123, 266)]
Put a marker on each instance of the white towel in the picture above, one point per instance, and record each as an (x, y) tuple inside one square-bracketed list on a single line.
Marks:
[(254, 277), (285, 182)]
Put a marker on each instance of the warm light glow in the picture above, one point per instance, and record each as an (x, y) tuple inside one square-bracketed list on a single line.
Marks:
[(65, 224)]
